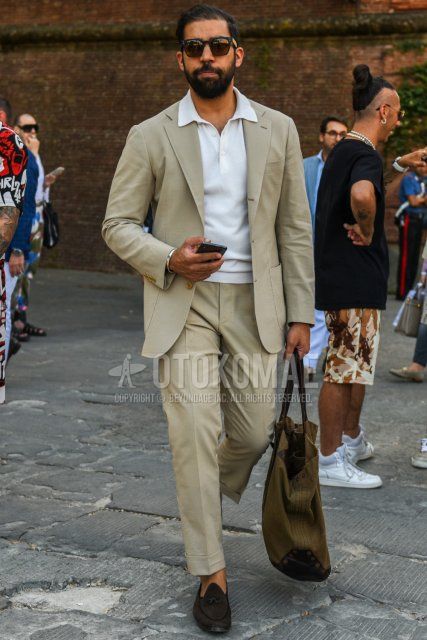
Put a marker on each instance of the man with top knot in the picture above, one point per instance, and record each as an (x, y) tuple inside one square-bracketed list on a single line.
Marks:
[(351, 261)]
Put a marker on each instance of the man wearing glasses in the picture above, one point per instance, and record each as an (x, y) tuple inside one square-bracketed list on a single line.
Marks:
[(332, 130), (215, 166)]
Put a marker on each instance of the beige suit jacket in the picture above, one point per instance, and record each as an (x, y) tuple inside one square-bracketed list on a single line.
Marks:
[(161, 164)]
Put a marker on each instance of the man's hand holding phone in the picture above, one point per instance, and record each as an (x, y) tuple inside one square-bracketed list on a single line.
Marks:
[(193, 266)]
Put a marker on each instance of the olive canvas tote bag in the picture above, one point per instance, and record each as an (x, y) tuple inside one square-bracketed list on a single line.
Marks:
[(292, 517)]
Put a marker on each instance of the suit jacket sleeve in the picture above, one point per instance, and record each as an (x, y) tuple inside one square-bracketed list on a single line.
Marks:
[(294, 236), (130, 196)]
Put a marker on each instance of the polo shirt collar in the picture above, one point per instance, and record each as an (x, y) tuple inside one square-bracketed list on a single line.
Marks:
[(187, 111)]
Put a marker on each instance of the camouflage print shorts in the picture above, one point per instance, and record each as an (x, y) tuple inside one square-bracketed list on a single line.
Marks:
[(354, 336)]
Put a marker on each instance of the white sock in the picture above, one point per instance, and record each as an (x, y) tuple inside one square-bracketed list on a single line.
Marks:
[(353, 442), (324, 460)]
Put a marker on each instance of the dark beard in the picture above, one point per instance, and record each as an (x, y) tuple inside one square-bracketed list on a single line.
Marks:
[(210, 88)]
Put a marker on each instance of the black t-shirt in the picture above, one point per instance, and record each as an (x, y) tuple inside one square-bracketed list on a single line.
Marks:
[(349, 276)]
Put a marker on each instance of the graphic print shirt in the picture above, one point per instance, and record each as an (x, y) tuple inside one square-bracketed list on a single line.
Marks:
[(13, 162)]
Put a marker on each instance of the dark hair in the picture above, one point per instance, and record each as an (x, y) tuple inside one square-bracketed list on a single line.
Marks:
[(205, 12), (5, 106), (366, 86), (329, 119)]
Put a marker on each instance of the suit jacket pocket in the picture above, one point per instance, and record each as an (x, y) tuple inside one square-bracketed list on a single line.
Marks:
[(278, 294)]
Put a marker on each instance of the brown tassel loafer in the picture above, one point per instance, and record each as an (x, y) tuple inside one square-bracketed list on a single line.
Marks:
[(212, 612)]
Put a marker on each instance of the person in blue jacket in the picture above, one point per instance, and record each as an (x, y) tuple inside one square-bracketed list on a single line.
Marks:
[(19, 248), (332, 130), (412, 222)]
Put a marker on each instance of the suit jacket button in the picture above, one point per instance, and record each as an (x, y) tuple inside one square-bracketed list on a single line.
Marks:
[(189, 285)]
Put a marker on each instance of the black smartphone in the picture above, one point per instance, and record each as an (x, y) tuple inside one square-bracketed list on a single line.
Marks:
[(211, 247)]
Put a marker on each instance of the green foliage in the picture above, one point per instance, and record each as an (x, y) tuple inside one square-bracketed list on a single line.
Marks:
[(413, 96), (410, 45)]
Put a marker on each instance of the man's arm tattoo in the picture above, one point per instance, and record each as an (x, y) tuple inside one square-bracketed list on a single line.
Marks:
[(9, 217), (364, 215), (365, 219)]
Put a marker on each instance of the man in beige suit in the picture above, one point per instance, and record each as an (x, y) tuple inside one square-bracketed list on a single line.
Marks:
[(216, 167)]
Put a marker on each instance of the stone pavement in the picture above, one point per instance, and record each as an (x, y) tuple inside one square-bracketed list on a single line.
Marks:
[(90, 546)]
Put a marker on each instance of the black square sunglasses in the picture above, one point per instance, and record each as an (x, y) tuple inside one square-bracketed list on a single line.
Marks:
[(220, 46), (27, 128)]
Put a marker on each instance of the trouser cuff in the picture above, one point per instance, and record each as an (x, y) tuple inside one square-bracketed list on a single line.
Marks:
[(205, 565)]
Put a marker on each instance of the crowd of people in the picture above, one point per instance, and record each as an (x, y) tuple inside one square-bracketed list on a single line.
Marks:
[(24, 187)]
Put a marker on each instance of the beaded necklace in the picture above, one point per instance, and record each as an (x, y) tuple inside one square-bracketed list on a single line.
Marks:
[(361, 137)]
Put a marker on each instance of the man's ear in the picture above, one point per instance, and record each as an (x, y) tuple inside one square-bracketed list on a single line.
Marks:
[(321, 138), (239, 56), (179, 58), (383, 113)]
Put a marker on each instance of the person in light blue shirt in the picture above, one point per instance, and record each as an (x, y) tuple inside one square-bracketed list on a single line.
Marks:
[(332, 130)]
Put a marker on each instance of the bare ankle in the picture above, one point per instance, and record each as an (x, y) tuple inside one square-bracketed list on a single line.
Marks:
[(219, 578), (353, 433), (414, 366)]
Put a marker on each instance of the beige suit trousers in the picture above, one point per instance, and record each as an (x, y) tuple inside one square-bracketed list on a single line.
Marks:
[(218, 386)]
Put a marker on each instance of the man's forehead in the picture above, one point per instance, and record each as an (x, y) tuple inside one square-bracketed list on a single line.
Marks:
[(335, 125), (26, 118), (205, 29)]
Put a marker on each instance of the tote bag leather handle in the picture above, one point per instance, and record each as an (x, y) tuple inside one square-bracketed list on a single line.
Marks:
[(297, 366)]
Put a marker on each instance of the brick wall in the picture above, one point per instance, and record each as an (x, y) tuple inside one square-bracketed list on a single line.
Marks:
[(408, 5), (101, 11), (64, 11), (86, 96), (384, 6)]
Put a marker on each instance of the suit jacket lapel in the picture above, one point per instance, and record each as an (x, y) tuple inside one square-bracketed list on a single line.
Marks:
[(257, 141), (186, 146)]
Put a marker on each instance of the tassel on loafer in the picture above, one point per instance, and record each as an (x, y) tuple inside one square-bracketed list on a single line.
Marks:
[(212, 611)]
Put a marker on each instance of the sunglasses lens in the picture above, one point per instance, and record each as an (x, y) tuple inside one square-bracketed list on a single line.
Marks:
[(193, 48), (30, 127), (220, 47)]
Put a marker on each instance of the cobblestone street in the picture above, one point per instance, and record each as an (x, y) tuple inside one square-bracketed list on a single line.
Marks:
[(90, 544)]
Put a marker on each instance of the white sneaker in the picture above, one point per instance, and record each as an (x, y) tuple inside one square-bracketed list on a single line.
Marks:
[(344, 473), (362, 451), (420, 459)]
